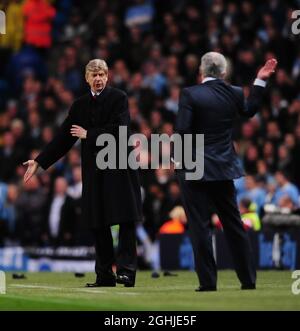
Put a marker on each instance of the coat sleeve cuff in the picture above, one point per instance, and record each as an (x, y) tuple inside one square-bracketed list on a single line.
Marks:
[(260, 82)]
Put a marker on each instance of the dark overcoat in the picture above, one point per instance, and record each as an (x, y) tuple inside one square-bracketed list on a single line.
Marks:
[(108, 196)]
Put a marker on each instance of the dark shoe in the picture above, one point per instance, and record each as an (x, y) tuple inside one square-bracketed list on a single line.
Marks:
[(125, 280), (169, 273), (155, 274), (206, 289), (102, 283), (248, 287)]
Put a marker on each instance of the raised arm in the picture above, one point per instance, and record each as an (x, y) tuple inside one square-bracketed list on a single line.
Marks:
[(252, 104)]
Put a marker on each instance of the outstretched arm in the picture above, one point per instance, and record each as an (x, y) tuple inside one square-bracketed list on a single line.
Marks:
[(58, 147)]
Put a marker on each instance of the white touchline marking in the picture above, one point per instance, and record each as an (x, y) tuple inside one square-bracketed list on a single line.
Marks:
[(68, 288)]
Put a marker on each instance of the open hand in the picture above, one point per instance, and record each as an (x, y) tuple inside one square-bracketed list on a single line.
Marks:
[(78, 131), (31, 170), (267, 70)]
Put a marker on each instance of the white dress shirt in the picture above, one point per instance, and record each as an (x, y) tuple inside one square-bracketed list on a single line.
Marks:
[(55, 213)]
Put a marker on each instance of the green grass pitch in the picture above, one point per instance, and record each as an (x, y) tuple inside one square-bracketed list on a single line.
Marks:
[(62, 291)]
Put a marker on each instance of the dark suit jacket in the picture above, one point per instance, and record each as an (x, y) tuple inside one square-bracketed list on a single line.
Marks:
[(211, 109), (108, 196)]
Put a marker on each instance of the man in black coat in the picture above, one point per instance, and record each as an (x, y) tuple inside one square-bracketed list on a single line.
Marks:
[(109, 196), (210, 108)]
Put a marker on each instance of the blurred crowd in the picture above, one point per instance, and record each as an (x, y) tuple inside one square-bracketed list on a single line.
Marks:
[(153, 49)]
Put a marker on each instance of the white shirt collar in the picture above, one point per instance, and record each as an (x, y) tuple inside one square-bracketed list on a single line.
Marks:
[(98, 93), (207, 79)]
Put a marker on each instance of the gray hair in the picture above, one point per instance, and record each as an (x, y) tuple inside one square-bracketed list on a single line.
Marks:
[(213, 64), (96, 65)]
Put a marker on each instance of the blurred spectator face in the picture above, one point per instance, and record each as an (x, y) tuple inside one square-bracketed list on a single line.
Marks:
[(281, 76), (32, 106), (30, 86), (12, 193), (268, 150), (34, 120), (133, 108), (247, 7), (174, 190), (49, 104), (231, 8), (150, 69), (281, 179), (289, 141), (17, 128), (271, 185), (47, 134), (273, 130), (156, 119), (267, 20), (155, 52), (191, 62), (252, 153), (247, 130), (283, 152), (244, 206), (262, 167), (77, 174), (250, 182), (286, 202), (32, 185), (8, 140), (276, 98), (192, 13), (120, 66), (179, 214), (60, 186), (70, 56), (294, 107), (156, 191), (97, 80), (136, 81), (112, 35), (161, 176), (111, 20), (74, 157), (168, 19), (135, 33), (66, 97), (174, 93), (12, 108), (247, 57), (145, 129), (172, 61), (168, 129)]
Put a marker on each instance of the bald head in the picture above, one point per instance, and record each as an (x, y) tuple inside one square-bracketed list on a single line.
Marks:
[(213, 64)]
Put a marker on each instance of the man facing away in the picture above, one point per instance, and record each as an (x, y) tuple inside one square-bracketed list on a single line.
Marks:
[(210, 109), (109, 196)]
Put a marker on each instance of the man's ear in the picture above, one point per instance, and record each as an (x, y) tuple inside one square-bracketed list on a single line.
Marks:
[(223, 74)]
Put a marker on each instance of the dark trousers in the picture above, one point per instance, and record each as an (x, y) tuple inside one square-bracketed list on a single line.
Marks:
[(197, 197), (126, 257)]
